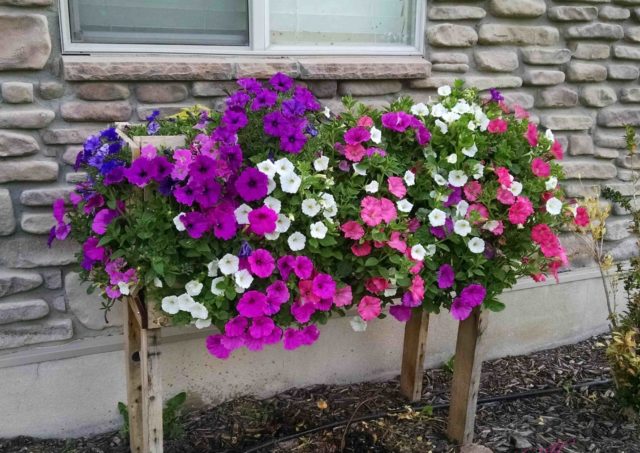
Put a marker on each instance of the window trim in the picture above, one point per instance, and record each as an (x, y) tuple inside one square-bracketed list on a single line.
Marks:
[(258, 37)]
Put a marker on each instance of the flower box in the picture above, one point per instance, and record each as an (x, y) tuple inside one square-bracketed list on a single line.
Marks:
[(137, 142)]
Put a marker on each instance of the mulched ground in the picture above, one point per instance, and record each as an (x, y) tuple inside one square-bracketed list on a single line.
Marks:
[(575, 420)]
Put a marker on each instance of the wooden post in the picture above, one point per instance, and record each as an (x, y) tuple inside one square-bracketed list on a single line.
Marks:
[(415, 341), (144, 384), (466, 378)]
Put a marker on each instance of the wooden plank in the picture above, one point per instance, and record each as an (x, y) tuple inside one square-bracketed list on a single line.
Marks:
[(133, 377), (415, 341), (466, 377), (151, 392)]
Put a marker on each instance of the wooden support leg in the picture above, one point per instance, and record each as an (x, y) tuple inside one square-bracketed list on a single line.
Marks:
[(151, 392), (415, 341), (466, 378), (133, 376)]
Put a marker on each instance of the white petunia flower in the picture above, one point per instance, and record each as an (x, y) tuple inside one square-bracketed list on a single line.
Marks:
[(484, 123), (444, 90), (404, 205), (478, 171), (439, 179), (214, 286), (554, 206), (243, 278), (551, 183), (327, 200), (431, 250), (242, 214), (372, 187), (272, 236), (476, 245), (123, 287), (178, 223), (450, 117), (157, 283), (228, 264), (409, 178), (290, 182), (462, 227), (203, 323), (310, 207), (297, 241), (418, 252), (549, 135), (516, 188), (359, 170), (442, 126), (461, 107), (470, 152), (170, 305), (185, 302), (282, 224), (452, 158), (391, 291), (212, 268), (461, 208), (358, 324), (193, 288), (491, 225), (376, 135), (438, 110), (239, 290), (330, 211), (283, 166), (318, 230), (437, 218), (321, 163), (273, 203), (271, 185), (420, 109), (267, 167), (471, 126), (327, 112), (199, 311), (457, 178)]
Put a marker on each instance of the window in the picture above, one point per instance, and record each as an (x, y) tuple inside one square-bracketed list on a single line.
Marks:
[(243, 26)]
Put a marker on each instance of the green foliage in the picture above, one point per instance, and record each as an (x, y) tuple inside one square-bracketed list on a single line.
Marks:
[(171, 417)]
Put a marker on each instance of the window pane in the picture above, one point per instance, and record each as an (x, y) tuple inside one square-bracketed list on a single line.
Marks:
[(212, 22), (343, 22)]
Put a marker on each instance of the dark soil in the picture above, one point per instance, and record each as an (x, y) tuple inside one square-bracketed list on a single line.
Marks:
[(574, 420)]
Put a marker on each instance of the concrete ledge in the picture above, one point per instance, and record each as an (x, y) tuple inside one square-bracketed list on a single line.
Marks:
[(77, 395), (173, 67)]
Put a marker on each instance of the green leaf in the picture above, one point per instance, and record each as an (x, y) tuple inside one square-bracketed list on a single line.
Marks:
[(494, 305), (371, 262)]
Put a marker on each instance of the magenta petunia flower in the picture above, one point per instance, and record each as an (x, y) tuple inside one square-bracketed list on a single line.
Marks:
[(446, 276), (234, 119), (556, 150), (497, 126), (264, 99), (532, 135), (302, 311), (397, 121), (505, 196), (184, 194), (252, 304), (216, 348), (253, 344), (357, 135), (400, 312), (261, 263), (261, 327), (207, 192), (540, 168), (423, 135), (115, 176), (102, 220), (262, 220), (292, 339), (160, 168), (285, 266), (232, 343), (473, 294), (223, 223), (281, 82), (252, 184), (203, 167), (277, 292), (520, 211), (195, 223), (310, 335), (139, 174), (459, 310), (236, 327), (303, 267), (324, 286)]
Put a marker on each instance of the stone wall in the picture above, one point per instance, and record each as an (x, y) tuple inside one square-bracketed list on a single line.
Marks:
[(574, 62)]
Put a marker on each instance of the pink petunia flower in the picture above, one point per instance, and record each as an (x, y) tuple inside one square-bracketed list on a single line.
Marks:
[(505, 196), (556, 150), (352, 230), (252, 304), (365, 121), (261, 263), (354, 153), (540, 168), (532, 135), (520, 211), (369, 308), (396, 186), (363, 249), (376, 285), (343, 296), (497, 126), (388, 210), (396, 242), (472, 190), (504, 177)]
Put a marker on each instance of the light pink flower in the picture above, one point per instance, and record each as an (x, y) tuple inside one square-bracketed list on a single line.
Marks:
[(396, 186), (343, 296), (504, 196), (369, 308), (352, 230)]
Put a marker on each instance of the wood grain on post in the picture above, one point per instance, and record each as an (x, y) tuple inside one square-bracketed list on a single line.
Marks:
[(152, 434), (415, 341), (133, 376), (466, 378)]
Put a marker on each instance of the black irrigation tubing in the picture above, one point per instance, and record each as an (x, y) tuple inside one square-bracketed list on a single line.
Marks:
[(419, 407)]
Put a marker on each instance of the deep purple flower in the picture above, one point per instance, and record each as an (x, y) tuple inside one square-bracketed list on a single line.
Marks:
[(160, 168), (224, 226), (139, 173), (245, 250), (232, 155), (153, 116), (166, 186), (397, 121), (203, 167), (446, 276), (250, 84), (102, 220), (496, 96), (252, 184), (195, 223), (207, 193), (274, 123), (234, 119), (281, 82), (226, 135), (184, 194), (110, 134), (443, 231), (454, 197), (306, 97), (292, 140), (400, 312), (292, 108), (264, 99), (238, 100), (357, 135)]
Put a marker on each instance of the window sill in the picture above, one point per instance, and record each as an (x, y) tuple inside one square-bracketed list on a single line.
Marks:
[(177, 67)]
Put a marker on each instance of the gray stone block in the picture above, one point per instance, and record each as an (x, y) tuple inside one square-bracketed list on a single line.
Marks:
[(623, 71), (543, 77), (598, 96), (161, 92), (572, 13), (596, 30), (320, 88), (51, 90), (27, 252), (25, 310), (28, 170), (626, 52), (589, 170), (517, 8), (586, 72), (461, 12), (17, 92), (87, 307), (450, 67), (568, 122), (518, 35), (15, 145), (630, 95), (23, 334), (215, 89), (101, 91), (13, 281), (451, 35), (45, 196), (369, 87), (67, 136), (619, 117), (609, 12), (37, 223), (545, 55), (449, 57), (632, 34), (484, 83), (580, 145), (96, 111), (496, 61), (7, 220), (590, 51), (25, 41), (52, 278), (561, 96), (25, 118)]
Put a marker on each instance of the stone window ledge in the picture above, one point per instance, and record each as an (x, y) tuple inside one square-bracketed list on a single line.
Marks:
[(173, 67)]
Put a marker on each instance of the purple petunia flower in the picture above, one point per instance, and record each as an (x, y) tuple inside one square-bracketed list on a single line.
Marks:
[(102, 220), (216, 348), (306, 97), (409, 301), (470, 297), (274, 123), (277, 292), (224, 226), (250, 84), (232, 155), (184, 194), (203, 167), (139, 174), (261, 327), (292, 108), (357, 135), (302, 312), (264, 99), (285, 266), (281, 82), (252, 184), (292, 140), (303, 267), (207, 192), (114, 176), (262, 220), (161, 168), (423, 135), (195, 223), (454, 197), (397, 121), (236, 327), (496, 96), (446, 276), (238, 100), (324, 286), (234, 119), (252, 304), (443, 231), (400, 312)]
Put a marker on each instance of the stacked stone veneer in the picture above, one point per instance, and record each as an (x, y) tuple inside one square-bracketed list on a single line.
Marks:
[(574, 63)]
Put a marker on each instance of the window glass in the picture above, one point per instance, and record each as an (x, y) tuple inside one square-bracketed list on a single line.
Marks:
[(199, 22), (342, 22)]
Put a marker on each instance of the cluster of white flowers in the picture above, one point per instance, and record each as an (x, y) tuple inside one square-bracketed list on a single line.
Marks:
[(445, 116), (186, 302)]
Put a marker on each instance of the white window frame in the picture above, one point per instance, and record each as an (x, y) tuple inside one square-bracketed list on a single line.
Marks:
[(258, 38)]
